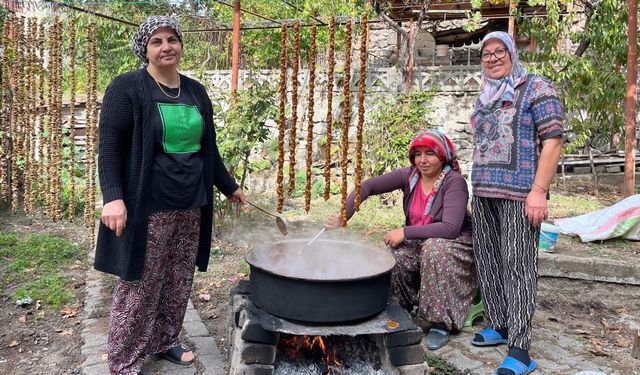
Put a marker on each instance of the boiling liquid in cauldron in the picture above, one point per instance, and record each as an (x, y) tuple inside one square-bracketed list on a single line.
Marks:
[(322, 260)]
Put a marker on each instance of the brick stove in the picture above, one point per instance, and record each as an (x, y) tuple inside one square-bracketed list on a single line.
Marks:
[(254, 335)]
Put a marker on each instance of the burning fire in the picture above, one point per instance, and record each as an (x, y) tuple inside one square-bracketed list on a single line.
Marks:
[(299, 346)]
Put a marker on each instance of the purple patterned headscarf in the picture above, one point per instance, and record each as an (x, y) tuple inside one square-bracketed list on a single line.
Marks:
[(501, 90)]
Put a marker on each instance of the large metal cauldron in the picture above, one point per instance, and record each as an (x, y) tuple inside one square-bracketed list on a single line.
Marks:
[(330, 281)]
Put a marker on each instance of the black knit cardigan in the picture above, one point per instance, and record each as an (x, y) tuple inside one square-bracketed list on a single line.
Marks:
[(125, 160)]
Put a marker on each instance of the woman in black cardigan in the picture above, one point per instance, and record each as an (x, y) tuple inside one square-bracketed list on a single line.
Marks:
[(158, 164)]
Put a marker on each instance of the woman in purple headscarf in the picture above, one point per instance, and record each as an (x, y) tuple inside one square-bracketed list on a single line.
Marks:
[(158, 164), (518, 141)]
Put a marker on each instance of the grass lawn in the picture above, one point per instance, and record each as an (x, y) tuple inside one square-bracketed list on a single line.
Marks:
[(33, 266)]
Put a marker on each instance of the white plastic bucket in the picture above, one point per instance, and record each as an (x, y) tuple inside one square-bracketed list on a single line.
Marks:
[(548, 237), (442, 50)]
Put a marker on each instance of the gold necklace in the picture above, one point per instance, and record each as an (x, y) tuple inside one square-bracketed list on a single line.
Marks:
[(164, 92)]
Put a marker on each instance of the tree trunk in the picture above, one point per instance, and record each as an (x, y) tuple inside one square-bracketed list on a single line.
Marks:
[(406, 49)]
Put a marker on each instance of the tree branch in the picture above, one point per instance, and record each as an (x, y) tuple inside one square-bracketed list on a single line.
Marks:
[(387, 20)]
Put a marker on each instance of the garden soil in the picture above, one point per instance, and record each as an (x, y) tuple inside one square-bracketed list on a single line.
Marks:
[(40, 340), (37, 339)]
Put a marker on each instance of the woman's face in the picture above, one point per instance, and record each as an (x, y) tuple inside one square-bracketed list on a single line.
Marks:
[(427, 161), (164, 49), (496, 59)]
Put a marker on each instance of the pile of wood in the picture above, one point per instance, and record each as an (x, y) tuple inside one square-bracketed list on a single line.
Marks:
[(606, 162)]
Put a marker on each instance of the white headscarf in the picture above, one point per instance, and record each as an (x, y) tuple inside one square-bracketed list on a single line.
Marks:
[(496, 91)]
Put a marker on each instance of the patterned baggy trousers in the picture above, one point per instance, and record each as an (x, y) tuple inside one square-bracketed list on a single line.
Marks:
[(147, 314), (438, 276), (505, 246)]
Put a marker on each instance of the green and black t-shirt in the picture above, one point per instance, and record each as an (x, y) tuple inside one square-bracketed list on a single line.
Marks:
[(177, 179)]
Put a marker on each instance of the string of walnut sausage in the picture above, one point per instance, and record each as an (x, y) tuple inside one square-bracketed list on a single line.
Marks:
[(361, 94), (312, 79), (345, 120), (327, 147), (294, 107), (282, 119)]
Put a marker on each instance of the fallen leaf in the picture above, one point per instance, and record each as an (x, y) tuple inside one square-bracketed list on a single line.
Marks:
[(623, 343), (67, 332), (597, 348), (217, 284), (13, 343), (22, 319), (204, 297), (69, 312)]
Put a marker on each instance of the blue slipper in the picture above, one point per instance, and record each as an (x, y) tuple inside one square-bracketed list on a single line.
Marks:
[(491, 337), (518, 367)]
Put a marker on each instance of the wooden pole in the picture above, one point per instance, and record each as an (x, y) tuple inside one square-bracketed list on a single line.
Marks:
[(410, 59), (235, 51), (635, 350), (630, 127), (512, 21)]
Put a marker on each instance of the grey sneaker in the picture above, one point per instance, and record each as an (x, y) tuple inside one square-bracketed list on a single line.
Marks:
[(437, 338)]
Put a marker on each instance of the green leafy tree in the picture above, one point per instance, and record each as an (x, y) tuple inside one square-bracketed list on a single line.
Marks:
[(245, 128), (210, 48), (391, 128), (590, 77)]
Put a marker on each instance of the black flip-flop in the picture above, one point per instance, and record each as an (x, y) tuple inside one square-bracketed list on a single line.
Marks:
[(175, 355)]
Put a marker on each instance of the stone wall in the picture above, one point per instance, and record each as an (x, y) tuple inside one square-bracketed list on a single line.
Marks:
[(457, 88)]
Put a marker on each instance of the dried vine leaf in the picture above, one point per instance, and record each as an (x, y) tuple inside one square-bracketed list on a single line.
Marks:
[(72, 119)]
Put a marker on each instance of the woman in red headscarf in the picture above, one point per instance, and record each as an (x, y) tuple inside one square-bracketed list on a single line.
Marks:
[(433, 249)]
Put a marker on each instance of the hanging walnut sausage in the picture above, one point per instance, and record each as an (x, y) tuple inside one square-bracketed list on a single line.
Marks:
[(346, 119), (294, 107), (361, 94), (327, 147), (283, 119), (312, 79)]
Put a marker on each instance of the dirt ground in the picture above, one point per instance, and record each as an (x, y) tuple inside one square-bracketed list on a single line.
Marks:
[(601, 315), (38, 339)]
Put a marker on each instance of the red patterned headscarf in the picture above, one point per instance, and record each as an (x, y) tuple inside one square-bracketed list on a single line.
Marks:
[(439, 143)]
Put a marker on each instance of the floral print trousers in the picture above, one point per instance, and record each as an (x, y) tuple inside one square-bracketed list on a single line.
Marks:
[(438, 276), (147, 314)]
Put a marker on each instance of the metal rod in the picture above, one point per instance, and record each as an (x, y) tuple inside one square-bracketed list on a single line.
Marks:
[(91, 12), (235, 50), (248, 11), (316, 236), (298, 9)]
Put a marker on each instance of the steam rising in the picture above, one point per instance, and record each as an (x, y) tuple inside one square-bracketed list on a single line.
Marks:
[(322, 260)]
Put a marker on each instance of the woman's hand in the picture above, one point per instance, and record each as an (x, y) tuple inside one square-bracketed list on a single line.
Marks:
[(394, 238), (535, 207), (238, 197), (114, 216), (334, 221)]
